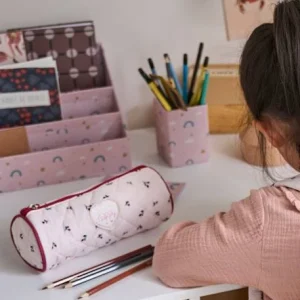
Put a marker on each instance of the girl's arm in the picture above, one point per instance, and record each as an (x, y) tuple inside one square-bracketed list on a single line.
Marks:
[(225, 248)]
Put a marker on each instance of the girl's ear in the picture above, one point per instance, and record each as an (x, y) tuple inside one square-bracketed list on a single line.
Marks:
[(271, 131)]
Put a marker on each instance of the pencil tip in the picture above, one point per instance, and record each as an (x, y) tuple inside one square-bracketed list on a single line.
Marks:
[(206, 61), (85, 295), (185, 58), (48, 287), (151, 63), (66, 286)]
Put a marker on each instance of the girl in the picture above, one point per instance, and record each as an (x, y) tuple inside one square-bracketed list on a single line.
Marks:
[(256, 243)]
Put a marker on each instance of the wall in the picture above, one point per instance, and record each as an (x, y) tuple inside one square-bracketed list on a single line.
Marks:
[(133, 30)]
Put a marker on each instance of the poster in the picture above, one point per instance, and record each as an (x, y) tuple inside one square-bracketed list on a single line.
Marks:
[(243, 16)]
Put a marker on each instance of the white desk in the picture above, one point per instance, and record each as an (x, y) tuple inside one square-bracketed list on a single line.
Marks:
[(211, 187)]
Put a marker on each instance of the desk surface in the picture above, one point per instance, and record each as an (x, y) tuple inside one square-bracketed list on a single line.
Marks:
[(210, 188)]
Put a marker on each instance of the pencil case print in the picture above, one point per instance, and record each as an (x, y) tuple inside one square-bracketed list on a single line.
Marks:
[(47, 235)]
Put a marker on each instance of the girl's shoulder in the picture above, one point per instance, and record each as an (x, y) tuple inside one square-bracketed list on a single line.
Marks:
[(281, 196)]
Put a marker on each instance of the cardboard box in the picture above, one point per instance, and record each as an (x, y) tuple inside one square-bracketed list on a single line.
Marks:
[(226, 104)]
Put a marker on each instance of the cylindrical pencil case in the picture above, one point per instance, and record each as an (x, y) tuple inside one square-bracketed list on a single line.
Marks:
[(47, 235)]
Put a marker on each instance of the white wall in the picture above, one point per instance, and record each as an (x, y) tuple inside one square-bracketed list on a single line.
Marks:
[(133, 30)]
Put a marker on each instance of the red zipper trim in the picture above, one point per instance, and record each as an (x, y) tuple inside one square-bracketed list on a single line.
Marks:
[(26, 210), (36, 235)]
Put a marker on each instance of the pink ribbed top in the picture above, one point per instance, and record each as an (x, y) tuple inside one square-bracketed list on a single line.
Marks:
[(256, 244)]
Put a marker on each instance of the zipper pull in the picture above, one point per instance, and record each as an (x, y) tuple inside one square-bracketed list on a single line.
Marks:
[(34, 206), (27, 209)]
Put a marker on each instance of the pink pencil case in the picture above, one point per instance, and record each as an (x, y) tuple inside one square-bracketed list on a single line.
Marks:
[(47, 235)]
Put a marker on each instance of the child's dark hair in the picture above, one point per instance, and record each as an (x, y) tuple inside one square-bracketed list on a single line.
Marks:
[(270, 71)]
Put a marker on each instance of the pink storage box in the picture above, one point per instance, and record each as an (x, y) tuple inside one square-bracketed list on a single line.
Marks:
[(90, 141), (182, 136)]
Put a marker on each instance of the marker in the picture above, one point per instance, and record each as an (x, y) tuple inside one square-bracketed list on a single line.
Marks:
[(199, 85), (202, 99), (155, 90), (172, 74), (197, 63), (185, 83)]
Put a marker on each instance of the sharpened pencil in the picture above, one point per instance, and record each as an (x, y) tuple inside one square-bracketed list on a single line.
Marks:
[(119, 277), (67, 279)]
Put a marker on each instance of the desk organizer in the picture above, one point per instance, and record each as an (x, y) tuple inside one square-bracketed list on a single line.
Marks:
[(182, 136), (89, 141)]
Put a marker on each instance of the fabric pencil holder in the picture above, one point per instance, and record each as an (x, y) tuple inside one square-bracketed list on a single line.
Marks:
[(47, 235)]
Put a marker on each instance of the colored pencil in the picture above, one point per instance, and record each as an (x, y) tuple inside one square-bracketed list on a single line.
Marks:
[(117, 266), (152, 67), (202, 99), (117, 278), (169, 75), (199, 85), (167, 88), (157, 82), (173, 74), (176, 99), (103, 265), (185, 82), (179, 99), (159, 96), (196, 67)]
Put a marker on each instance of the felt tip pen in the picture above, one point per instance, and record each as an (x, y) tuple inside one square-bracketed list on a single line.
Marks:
[(202, 100), (185, 83)]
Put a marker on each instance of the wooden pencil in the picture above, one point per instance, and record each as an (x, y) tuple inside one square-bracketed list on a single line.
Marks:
[(93, 275), (171, 96), (176, 99), (117, 278), (67, 279)]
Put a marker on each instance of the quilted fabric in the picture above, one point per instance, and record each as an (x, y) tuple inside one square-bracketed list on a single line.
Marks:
[(47, 236)]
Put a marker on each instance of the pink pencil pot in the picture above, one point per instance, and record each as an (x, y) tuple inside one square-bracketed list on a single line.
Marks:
[(182, 136)]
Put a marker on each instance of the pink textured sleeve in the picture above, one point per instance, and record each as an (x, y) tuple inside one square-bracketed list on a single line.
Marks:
[(225, 248)]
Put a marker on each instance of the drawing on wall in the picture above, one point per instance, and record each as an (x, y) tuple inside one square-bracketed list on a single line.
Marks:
[(243, 16), (12, 48)]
